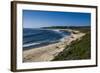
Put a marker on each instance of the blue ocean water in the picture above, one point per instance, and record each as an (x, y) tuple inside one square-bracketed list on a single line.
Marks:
[(39, 37)]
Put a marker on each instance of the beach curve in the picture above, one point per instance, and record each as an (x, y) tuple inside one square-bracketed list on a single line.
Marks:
[(47, 53)]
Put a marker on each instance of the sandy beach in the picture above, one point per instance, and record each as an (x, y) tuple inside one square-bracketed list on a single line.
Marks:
[(47, 53)]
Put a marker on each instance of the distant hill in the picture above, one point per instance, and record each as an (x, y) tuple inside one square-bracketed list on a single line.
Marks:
[(66, 27)]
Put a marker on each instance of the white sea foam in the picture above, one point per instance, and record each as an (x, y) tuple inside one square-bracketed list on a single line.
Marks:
[(30, 44)]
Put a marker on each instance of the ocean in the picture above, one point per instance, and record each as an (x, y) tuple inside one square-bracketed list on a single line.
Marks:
[(39, 37)]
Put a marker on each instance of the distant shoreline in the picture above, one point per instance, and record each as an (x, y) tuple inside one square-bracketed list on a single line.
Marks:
[(47, 53)]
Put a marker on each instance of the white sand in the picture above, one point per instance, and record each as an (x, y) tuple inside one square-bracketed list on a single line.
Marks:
[(47, 53)]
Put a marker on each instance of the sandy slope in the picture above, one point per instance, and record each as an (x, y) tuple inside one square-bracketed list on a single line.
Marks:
[(47, 53)]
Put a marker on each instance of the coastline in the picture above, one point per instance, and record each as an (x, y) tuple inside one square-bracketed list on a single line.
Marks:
[(47, 53)]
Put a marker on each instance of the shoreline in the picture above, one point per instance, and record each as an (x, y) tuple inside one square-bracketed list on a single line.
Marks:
[(47, 53)]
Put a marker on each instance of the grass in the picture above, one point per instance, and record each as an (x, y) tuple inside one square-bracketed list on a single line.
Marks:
[(79, 49)]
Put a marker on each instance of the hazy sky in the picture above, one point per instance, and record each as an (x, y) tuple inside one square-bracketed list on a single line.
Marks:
[(37, 19)]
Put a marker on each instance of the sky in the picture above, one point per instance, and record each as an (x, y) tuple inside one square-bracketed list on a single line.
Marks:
[(37, 19)]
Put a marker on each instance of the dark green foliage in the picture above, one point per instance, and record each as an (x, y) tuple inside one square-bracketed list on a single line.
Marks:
[(79, 49)]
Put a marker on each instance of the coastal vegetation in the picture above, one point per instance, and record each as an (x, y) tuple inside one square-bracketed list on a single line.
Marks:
[(78, 49)]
